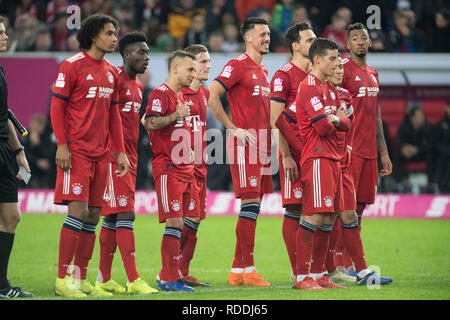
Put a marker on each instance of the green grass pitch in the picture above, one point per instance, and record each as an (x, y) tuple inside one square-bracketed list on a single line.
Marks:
[(416, 253)]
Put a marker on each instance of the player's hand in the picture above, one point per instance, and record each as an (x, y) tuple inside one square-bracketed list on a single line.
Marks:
[(63, 157), (290, 168), (183, 110), (387, 165), (123, 165), (244, 136), (342, 112), (22, 161)]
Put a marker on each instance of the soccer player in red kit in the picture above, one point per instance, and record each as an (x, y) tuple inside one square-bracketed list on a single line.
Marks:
[(362, 82), (118, 223), (197, 96), (85, 120), (283, 91), (244, 79), (320, 167), (172, 163)]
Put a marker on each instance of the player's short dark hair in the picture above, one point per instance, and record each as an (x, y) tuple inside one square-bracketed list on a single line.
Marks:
[(250, 23), (356, 26), (91, 27), (320, 46), (179, 54), (130, 39), (195, 49), (293, 34), (2, 19)]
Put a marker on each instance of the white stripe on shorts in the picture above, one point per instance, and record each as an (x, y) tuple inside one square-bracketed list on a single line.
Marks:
[(66, 182), (164, 200)]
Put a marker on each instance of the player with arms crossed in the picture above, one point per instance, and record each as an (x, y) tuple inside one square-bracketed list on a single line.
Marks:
[(9, 208), (362, 82), (86, 120), (172, 168), (118, 223), (347, 224), (245, 81), (197, 96), (283, 91)]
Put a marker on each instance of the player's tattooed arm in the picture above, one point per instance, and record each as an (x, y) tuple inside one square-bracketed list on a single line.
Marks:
[(382, 148), (155, 123)]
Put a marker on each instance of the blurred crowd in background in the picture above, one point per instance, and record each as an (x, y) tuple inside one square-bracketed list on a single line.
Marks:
[(406, 25)]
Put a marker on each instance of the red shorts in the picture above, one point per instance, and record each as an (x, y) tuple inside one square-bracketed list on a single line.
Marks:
[(251, 178), (198, 197), (365, 178), (291, 192), (119, 192), (174, 198), (322, 186), (348, 188), (85, 181)]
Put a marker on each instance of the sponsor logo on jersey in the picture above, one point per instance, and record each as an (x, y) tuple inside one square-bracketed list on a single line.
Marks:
[(226, 73), (357, 78), (264, 91), (156, 105), (194, 122), (60, 81), (130, 104), (278, 85), (103, 92), (368, 91)]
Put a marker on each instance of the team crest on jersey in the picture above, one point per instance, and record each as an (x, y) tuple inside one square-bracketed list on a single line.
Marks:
[(298, 193), (333, 96), (253, 181), (176, 206), (77, 189), (192, 205), (226, 73), (328, 201), (110, 77), (122, 200), (278, 85)]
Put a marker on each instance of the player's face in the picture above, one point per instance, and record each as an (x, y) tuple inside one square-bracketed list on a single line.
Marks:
[(259, 38), (106, 40), (329, 63), (358, 43), (3, 38), (306, 39), (138, 57), (203, 65), (338, 75), (186, 71)]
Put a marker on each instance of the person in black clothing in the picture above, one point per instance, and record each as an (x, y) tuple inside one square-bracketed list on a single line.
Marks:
[(10, 148), (442, 138), (414, 141)]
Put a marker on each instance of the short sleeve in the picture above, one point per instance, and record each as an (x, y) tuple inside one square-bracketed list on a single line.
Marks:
[(64, 81), (279, 87), (157, 104), (230, 75)]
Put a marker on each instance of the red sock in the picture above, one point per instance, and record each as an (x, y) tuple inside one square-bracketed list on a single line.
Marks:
[(321, 239), (108, 245), (330, 264), (290, 228), (68, 240), (238, 262), (304, 247), (247, 240), (126, 244), (189, 237), (339, 252), (348, 262), (359, 211), (83, 252), (170, 251), (353, 243)]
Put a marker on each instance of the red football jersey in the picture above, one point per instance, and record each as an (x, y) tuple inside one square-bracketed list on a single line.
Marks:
[(90, 88), (130, 100), (315, 102), (248, 93), (198, 103), (284, 88), (364, 88), (171, 145)]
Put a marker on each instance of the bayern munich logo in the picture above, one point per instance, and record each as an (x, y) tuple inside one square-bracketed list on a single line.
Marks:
[(176, 206), (77, 189), (192, 205), (298, 193), (253, 181), (110, 78), (328, 202), (123, 201)]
